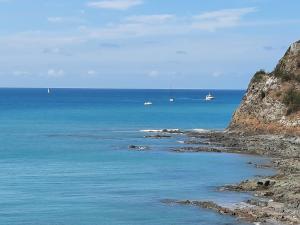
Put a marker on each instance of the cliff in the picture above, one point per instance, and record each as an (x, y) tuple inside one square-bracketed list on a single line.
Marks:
[(271, 104)]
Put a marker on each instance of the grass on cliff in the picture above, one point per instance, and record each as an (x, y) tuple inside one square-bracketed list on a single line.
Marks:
[(285, 76), (292, 100), (258, 76)]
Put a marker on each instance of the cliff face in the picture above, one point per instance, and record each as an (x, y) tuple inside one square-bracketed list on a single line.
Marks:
[(272, 102)]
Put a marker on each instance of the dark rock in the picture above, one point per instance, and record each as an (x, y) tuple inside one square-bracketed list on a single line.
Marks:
[(267, 183), (138, 148), (158, 136)]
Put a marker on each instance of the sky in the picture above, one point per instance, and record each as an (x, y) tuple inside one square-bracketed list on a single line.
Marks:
[(198, 44)]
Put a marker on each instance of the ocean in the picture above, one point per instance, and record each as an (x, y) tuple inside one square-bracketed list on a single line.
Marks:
[(64, 157)]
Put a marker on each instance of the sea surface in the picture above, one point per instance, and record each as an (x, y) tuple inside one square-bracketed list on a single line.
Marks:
[(64, 157)]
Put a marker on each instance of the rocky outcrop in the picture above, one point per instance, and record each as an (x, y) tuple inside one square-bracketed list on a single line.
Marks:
[(272, 102), (277, 197), (254, 211)]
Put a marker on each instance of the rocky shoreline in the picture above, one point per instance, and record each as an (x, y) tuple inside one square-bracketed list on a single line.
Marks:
[(276, 199)]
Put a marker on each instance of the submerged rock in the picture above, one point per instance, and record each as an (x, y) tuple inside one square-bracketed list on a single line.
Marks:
[(138, 148), (158, 136)]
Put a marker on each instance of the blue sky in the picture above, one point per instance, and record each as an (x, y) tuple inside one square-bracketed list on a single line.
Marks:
[(142, 43)]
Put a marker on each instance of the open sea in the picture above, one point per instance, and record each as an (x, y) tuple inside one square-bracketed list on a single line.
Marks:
[(64, 157)]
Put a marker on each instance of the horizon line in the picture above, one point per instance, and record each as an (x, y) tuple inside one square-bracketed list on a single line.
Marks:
[(94, 88)]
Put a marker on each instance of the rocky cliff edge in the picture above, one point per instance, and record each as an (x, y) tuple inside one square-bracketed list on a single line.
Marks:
[(271, 104)]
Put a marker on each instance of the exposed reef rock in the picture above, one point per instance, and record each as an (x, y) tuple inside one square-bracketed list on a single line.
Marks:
[(157, 136), (138, 148), (255, 211), (272, 102)]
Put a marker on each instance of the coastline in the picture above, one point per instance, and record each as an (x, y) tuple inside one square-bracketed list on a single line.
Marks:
[(276, 199)]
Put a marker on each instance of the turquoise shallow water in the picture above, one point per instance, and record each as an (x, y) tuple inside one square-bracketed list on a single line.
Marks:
[(64, 157)]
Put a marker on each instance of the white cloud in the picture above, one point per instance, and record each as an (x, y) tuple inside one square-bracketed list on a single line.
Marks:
[(54, 50), (181, 52), (91, 72), (55, 73), (153, 73), (42, 39), (54, 19), (225, 18), (115, 4), (168, 24), (159, 18), (217, 74), (59, 19), (20, 73), (135, 27)]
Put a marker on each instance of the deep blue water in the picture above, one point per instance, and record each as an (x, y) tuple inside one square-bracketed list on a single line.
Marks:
[(64, 157)]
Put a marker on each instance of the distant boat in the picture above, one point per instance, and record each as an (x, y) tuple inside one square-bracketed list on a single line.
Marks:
[(48, 90), (148, 103), (209, 97), (171, 99)]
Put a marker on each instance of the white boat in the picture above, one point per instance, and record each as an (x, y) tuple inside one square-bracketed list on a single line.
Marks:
[(171, 99), (148, 103), (48, 90), (209, 97)]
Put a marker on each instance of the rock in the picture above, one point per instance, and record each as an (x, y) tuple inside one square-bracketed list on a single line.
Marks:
[(260, 183), (267, 183), (283, 188), (172, 131), (158, 136), (264, 109), (255, 211), (138, 148)]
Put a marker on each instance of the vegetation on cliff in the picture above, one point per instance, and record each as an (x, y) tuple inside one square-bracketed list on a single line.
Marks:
[(286, 76), (292, 101), (258, 76)]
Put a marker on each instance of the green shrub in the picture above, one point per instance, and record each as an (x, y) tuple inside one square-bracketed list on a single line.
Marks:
[(285, 76), (258, 76), (281, 74), (292, 100)]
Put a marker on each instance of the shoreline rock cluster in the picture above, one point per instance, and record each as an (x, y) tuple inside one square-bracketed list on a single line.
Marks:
[(277, 198)]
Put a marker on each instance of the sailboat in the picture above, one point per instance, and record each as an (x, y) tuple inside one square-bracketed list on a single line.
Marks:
[(148, 103), (48, 90), (171, 99), (209, 97)]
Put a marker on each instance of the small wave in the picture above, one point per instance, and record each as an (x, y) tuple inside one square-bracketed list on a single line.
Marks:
[(201, 130), (151, 131), (161, 131)]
